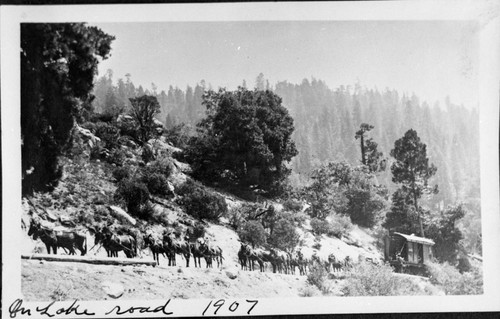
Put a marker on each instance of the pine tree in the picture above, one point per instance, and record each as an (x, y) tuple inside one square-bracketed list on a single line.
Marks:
[(370, 156), (412, 170), (58, 65)]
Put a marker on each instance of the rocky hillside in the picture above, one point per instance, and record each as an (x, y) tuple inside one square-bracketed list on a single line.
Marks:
[(86, 197)]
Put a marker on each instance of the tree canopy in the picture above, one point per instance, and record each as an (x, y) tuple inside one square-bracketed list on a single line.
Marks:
[(340, 188), (58, 65), (144, 108), (412, 170), (244, 140), (370, 156)]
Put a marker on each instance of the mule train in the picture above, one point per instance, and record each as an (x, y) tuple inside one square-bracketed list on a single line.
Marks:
[(166, 244), (169, 244), (287, 262)]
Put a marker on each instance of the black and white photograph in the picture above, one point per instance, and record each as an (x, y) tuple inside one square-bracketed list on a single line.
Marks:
[(250, 158)]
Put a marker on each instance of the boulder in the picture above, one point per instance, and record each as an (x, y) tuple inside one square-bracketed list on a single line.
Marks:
[(161, 147), (114, 290), (87, 136), (124, 118), (120, 213), (232, 273)]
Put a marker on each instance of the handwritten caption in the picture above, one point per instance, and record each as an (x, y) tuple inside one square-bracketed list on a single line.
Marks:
[(75, 309)]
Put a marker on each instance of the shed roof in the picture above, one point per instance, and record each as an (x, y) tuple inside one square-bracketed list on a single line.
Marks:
[(415, 239)]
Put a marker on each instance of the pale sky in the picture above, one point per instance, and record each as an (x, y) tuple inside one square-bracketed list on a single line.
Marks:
[(433, 59)]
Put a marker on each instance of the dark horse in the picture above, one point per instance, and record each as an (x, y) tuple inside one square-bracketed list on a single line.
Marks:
[(155, 243), (210, 252), (242, 257), (59, 237), (251, 255), (176, 246), (197, 251), (114, 243)]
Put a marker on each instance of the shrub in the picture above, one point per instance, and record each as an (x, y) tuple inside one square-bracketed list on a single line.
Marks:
[(161, 166), (108, 134), (121, 173), (252, 232), (309, 291), (97, 152), (318, 277), (284, 235), (145, 211), (236, 218), (366, 279), (147, 153), (117, 156), (292, 205), (155, 176), (320, 226), (453, 282), (201, 203), (135, 193), (156, 183), (339, 225), (297, 218)]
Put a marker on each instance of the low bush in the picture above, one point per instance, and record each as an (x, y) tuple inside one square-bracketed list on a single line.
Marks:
[(309, 291), (252, 232), (145, 211), (320, 226), (135, 194), (453, 282), (340, 225), (236, 219), (161, 166), (117, 156), (284, 235), (121, 173), (292, 205), (97, 152), (108, 133), (157, 184), (155, 176), (367, 279), (318, 277), (200, 202)]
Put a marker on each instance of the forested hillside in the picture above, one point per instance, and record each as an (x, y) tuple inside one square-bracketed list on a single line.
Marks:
[(326, 120)]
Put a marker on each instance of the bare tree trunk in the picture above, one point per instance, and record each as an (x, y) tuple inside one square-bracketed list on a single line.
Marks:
[(419, 215)]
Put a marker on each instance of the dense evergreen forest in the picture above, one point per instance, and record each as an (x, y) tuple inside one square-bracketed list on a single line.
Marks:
[(326, 120)]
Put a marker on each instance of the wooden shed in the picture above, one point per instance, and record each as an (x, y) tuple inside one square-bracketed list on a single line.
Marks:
[(408, 252)]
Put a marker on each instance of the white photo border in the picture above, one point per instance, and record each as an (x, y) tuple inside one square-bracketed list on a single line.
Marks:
[(485, 12)]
